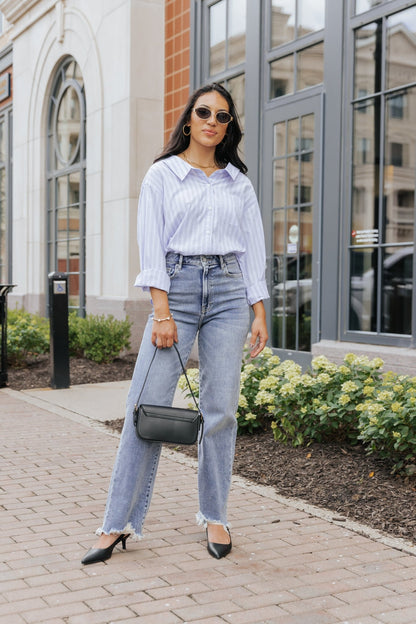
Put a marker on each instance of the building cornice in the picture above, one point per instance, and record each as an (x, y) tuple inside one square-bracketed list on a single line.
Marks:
[(21, 14), (13, 10)]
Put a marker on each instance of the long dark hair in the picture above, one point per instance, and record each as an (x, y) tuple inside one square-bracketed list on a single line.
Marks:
[(227, 151)]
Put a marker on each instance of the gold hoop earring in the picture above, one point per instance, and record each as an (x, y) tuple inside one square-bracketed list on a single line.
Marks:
[(183, 130)]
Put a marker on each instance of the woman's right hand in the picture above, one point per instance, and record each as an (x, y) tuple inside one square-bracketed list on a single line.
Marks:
[(164, 333)]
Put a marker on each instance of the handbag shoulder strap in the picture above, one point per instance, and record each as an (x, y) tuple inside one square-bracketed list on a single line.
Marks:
[(185, 375)]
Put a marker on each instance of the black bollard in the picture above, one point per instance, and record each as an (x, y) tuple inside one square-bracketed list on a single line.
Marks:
[(59, 335), (4, 290)]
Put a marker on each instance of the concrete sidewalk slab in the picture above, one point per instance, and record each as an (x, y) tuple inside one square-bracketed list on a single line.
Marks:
[(288, 565), (97, 402)]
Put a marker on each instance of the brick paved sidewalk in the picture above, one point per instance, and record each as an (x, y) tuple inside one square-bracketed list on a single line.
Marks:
[(287, 566)]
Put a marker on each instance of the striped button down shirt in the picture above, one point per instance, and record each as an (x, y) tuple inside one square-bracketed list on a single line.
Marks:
[(184, 211)]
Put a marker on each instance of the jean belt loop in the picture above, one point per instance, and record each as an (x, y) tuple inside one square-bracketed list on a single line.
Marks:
[(223, 262), (180, 261)]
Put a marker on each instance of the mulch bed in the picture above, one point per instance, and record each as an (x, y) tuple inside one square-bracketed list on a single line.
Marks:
[(337, 477)]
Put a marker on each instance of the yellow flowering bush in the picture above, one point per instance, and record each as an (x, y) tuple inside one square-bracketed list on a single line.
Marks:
[(353, 402), (387, 422), (321, 404)]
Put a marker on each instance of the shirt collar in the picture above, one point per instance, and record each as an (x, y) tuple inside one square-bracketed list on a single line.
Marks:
[(181, 168)]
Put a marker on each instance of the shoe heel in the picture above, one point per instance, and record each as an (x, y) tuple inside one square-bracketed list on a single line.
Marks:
[(123, 541)]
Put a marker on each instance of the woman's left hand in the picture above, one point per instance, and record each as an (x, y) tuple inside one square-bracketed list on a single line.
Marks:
[(259, 334)]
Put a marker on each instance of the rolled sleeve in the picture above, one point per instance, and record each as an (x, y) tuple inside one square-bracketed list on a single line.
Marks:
[(152, 278), (150, 226), (253, 261), (257, 292)]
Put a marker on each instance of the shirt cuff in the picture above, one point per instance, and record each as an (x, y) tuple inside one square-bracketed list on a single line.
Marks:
[(257, 292), (153, 278)]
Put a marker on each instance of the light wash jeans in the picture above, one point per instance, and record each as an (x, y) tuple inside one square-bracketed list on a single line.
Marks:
[(207, 298)]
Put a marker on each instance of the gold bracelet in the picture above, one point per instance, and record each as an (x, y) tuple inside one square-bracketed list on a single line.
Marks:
[(164, 319)]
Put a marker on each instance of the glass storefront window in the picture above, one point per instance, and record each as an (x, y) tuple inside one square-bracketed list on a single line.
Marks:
[(236, 86), (66, 181), (227, 35), (290, 21), (68, 125), (217, 36), (311, 16), (362, 309), (282, 73), (292, 232), (397, 290), (279, 139), (236, 32), (5, 197), (366, 5), (401, 55), (3, 141), (365, 173), (283, 17), (3, 228), (383, 175), (367, 54), (400, 167), (310, 66)]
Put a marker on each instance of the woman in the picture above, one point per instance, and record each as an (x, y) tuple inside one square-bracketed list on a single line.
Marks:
[(203, 260)]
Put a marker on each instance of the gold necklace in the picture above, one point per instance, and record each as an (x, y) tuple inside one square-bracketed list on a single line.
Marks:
[(192, 162)]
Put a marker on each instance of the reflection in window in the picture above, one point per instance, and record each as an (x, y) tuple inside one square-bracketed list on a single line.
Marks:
[(367, 54), (283, 21), (291, 20), (311, 16), (236, 32), (397, 289), (227, 35), (401, 32), (383, 175), (217, 36), (66, 181), (282, 76), (4, 225), (310, 70), (236, 86), (399, 172), (396, 106), (5, 197), (365, 169), (366, 5), (292, 233)]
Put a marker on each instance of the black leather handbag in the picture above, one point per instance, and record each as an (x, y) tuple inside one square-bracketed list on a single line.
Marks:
[(159, 423)]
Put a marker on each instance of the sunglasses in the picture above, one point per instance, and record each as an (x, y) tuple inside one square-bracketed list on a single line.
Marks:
[(205, 113)]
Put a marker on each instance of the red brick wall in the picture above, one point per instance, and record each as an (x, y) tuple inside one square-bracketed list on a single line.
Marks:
[(177, 51)]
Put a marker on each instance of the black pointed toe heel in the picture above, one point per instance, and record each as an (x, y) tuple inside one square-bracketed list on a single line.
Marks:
[(219, 550), (94, 555)]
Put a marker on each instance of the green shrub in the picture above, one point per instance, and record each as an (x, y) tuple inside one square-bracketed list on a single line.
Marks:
[(250, 415), (100, 338), (74, 331), (353, 402), (27, 335), (387, 422), (320, 405)]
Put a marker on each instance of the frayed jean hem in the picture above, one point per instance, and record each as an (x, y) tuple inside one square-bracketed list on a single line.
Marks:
[(201, 520), (135, 537)]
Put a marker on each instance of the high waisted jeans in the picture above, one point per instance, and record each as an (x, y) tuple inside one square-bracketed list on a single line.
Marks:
[(207, 298)]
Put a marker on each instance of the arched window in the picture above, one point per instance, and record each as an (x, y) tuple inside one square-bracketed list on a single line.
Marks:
[(66, 164)]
